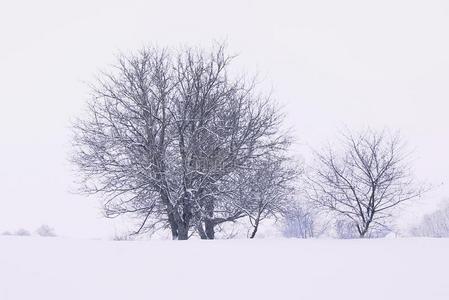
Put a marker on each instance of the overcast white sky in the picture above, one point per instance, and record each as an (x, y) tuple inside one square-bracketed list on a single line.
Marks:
[(331, 63)]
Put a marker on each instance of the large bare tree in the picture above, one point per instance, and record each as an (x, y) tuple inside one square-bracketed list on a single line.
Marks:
[(164, 134), (364, 180)]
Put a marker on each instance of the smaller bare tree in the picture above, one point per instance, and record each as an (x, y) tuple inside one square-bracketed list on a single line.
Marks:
[(267, 189), (365, 181)]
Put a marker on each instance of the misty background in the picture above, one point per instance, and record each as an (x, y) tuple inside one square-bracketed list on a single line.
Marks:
[(351, 63)]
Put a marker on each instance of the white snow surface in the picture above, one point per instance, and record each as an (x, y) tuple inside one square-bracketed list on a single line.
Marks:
[(58, 268)]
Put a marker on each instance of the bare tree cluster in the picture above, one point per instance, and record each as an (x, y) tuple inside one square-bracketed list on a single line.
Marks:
[(364, 182), (171, 138), (435, 224), (301, 221)]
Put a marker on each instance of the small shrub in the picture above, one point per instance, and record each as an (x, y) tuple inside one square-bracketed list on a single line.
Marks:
[(122, 237), (22, 232), (46, 231)]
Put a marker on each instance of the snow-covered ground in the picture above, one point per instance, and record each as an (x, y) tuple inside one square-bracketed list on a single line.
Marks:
[(57, 268)]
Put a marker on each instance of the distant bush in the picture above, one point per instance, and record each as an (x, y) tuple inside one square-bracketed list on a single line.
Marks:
[(122, 237), (345, 230), (22, 232), (435, 224), (45, 230), (6, 233)]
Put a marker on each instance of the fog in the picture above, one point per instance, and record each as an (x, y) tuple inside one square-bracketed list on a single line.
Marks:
[(330, 64)]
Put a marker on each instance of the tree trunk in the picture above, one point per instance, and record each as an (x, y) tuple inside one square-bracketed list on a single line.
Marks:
[(183, 222), (183, 232), (173, 226), (209, 232), (210, 229), (363, 232), (201, 231), (209, 223), (256, 226), (170, 214)]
